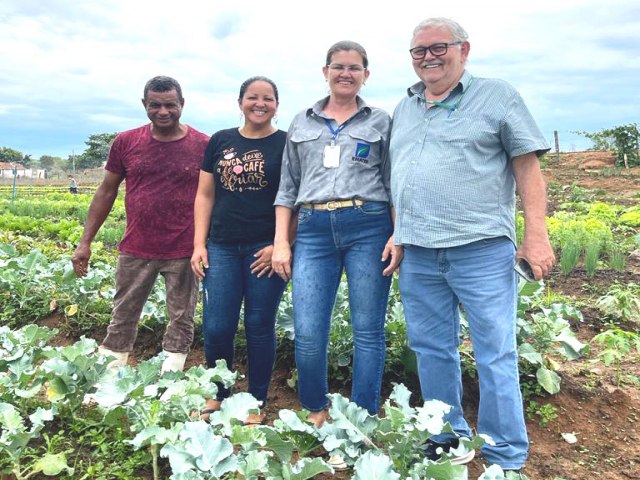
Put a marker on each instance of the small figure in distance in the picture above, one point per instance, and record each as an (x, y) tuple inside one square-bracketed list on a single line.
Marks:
[(73, 184)]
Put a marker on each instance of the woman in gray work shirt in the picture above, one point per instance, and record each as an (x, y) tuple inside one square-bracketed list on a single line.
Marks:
[(335, 174)]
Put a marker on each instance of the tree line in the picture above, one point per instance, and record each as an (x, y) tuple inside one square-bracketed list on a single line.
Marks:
[(93, 156), (623, 139)]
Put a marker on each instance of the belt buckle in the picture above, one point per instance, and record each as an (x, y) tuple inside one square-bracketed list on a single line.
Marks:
[(333, 205)]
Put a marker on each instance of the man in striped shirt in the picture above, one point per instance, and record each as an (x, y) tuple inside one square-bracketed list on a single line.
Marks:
[(460, 147)]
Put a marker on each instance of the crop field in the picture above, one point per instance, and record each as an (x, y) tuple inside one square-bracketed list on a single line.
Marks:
[(64, 414)]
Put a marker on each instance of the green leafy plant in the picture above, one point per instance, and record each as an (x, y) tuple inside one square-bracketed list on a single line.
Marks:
[(569, 256), (591, 255), (542, 336), (545, 413), (631, 217), (617, 345), (622, 302), (616, 258)]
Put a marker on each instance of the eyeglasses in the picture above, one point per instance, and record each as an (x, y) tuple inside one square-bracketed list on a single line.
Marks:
[(437, 50), (342, 68)]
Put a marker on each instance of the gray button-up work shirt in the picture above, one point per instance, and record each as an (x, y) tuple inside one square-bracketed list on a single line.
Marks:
[(451, 173), (363, 171)]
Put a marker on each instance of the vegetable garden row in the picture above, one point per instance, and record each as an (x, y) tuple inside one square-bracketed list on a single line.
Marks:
[(64, 414)]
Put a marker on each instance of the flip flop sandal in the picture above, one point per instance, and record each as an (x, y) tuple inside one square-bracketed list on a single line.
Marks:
[(337, 463)]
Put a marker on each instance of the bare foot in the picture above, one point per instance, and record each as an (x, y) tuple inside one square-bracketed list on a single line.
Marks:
[(211, 405), (318, 418)]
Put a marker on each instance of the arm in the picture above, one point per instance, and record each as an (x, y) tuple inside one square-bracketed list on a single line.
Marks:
[(281, 257), (535, 247), (396, 251), (286, 219), (99, 209), (202, 208), (390, 249), (264, 262)]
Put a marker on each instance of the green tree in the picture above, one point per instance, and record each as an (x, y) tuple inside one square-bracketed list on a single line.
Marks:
[(96, 154), (48, 162), (622, 139), (10, 155)]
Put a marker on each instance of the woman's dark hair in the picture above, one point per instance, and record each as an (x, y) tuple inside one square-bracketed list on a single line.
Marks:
[(348, 45), (258, 78)]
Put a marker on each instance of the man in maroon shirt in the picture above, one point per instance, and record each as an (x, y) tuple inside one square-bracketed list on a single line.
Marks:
[(161, 163)]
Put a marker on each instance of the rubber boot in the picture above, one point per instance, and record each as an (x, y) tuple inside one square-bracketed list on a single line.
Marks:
[(173, 362), (120, 357)]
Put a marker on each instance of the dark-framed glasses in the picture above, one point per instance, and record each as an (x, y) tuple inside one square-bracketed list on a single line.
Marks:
[(437, 50)]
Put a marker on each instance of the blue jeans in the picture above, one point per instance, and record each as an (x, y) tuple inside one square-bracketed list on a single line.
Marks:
[(480, 275), (227, 282), (350, 239)]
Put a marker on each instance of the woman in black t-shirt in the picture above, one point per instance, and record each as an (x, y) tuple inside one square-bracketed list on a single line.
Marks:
[(234, 230)]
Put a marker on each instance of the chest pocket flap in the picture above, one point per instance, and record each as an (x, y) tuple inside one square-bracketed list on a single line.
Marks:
[(301, 136), (366, 134)]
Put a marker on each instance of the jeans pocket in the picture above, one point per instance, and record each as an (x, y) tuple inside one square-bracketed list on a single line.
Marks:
[(304, 215), (374, 208)]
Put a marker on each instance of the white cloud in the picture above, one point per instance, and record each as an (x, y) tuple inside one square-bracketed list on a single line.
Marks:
[(70, 69)]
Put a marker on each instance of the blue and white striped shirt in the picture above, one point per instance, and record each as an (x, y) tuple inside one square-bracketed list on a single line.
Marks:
[(452, 181)]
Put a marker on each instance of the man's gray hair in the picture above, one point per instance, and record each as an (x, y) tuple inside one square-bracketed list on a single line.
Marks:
[(459, 33)]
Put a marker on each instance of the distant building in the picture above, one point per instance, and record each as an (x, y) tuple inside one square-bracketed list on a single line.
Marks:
[(6, 171)]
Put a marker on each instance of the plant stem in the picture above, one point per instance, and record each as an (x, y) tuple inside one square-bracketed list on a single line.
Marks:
[(154, 453)]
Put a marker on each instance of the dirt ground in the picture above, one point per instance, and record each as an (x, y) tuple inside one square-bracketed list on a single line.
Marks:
[(603, 416)]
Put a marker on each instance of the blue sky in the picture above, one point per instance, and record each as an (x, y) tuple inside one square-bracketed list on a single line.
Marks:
[(74, 68)]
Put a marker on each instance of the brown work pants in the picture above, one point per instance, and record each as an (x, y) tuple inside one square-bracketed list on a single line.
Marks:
[(135, 278)]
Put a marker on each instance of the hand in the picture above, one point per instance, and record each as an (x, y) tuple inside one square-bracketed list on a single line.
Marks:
[(263, 263), (80, 259), (396, 252), (539, 254), (281, 260), (199, 261)]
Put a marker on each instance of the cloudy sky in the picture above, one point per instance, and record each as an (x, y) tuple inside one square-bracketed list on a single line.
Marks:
[(72, 68)]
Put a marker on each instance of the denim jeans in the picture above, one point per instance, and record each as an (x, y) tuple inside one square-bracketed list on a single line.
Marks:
[(135, 278), (227, 282), (480, 276), (350, 239)]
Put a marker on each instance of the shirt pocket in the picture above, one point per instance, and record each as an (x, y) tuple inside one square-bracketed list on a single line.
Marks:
[(367, 149), (476, 130), (300, 136)]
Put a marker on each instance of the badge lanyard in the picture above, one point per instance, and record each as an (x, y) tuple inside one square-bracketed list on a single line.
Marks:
[(331, 154), (452, 107)]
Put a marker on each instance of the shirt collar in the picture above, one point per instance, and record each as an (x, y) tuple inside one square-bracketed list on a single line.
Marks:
[(418, 88), (319, 105)]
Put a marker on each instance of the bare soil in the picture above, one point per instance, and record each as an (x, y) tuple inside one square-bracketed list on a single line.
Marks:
[(603, 415)]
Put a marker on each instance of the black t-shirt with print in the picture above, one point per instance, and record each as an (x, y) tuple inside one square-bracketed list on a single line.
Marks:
[(247, 174)]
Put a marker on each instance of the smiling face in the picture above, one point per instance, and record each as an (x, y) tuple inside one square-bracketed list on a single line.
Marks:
[(439, 73), (164, 110), (345, 73), (259, 104)]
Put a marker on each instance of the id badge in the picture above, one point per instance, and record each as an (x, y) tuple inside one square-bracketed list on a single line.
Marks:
[(331, 156)]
